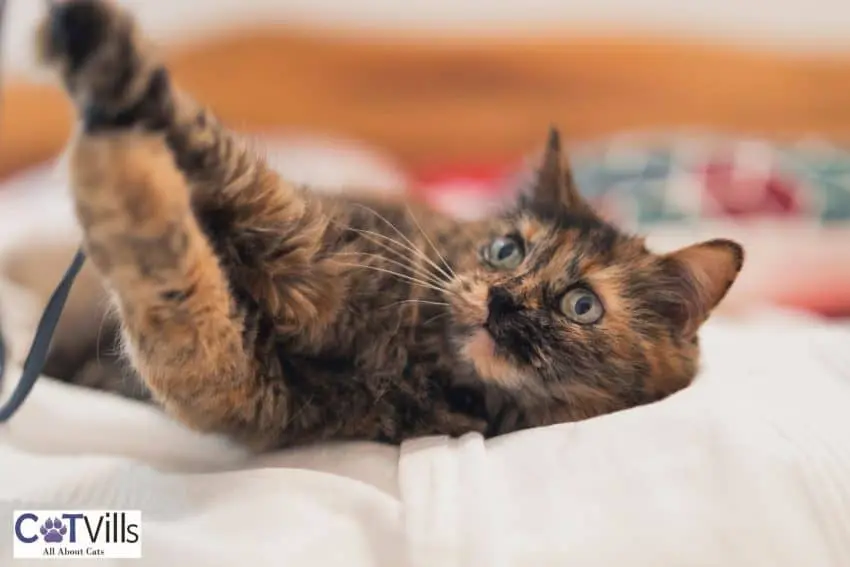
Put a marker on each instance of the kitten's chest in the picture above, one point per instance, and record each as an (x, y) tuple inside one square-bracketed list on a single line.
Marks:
[(388, 388)]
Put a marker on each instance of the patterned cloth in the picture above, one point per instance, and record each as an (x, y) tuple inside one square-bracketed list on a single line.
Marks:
[(643, 181)]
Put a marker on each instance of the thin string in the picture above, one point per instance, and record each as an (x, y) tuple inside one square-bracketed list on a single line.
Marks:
[(37, 355), (34, 363)]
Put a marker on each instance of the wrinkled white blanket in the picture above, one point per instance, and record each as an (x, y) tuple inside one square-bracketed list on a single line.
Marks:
[(750, 466)]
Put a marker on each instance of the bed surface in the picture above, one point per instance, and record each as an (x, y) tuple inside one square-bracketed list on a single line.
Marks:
[(749, 466)]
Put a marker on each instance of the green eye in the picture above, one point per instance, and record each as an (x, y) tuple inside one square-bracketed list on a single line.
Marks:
[(582, 306), (505, 253)]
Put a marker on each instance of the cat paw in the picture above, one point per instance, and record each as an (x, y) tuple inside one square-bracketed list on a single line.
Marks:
[(89, 42), (76, 30), (104, 63), (53, 530)]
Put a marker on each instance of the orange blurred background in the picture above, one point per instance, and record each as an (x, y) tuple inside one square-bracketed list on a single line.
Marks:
[(432, 82)]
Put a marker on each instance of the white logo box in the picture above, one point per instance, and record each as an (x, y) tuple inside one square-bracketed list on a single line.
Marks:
[(83, 534)]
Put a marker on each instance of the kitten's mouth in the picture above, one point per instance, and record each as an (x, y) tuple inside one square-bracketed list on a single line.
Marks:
[(478, 346), (482, 351)]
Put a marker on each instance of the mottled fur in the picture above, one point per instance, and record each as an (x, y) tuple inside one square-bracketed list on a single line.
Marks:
[(258, 309)]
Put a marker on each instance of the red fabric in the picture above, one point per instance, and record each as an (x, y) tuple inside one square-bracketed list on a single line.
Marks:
[(744, 194)]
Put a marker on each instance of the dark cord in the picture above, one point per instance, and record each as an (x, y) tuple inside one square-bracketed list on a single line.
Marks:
[(37, 355)]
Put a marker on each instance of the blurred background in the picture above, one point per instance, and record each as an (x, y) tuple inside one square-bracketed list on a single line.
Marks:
[(686, 119)]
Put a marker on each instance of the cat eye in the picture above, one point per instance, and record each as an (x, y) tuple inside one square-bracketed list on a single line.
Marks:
[(505, 253), (582, 306)]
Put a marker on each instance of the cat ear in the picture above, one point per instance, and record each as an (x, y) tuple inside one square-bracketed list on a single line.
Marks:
[(555, 187), (701, 276)]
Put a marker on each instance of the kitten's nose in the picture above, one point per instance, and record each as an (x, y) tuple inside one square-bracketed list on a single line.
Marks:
[(500, 303)]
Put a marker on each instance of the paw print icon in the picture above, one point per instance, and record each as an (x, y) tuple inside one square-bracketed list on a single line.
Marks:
[(53, 530)]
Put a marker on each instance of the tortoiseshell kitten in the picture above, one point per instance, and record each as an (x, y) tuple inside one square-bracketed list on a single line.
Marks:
[(260, 310)]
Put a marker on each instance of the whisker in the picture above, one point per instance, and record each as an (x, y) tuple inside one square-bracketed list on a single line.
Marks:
[(435, 317), (399, 254), (443, 303), (99, 336), (390, 224), (423, 274), (414, 250), (108, 311), (431, 242), (297, 413), (399, 275), (413, 246)]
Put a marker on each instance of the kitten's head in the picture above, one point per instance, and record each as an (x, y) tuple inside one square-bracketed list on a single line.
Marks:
[(564, 306)]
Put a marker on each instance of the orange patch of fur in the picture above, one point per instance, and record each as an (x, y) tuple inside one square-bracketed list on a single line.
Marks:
[(529, 229), (607, 284), (470, 304), (480, 350)]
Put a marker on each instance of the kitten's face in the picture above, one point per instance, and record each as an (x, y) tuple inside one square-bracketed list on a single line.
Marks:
[(563, 306)]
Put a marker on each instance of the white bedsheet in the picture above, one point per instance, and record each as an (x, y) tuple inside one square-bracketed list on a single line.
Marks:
[(750, 466)]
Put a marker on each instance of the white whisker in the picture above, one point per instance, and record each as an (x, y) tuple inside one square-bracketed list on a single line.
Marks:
[(99, 337), (431, 242), (428, 276), (412, 247), (405, 277), (435, 317), (398, 253), (403, 246), (443, 303)]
